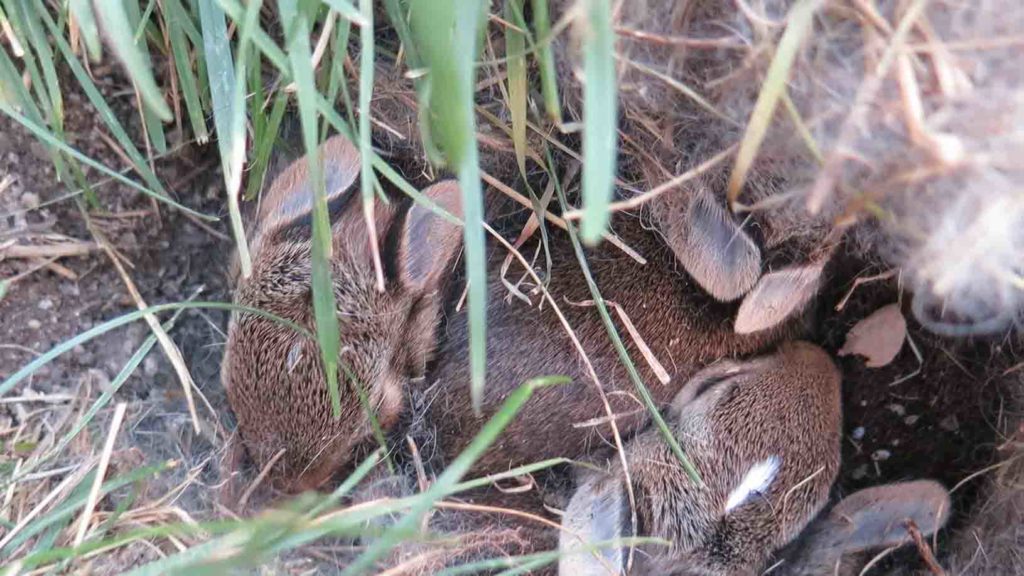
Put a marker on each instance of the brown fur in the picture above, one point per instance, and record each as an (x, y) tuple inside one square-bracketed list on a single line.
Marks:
[(785, 405), (274, 377), (684, 328)]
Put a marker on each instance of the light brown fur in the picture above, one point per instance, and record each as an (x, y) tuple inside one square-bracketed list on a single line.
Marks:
[(728, 419)]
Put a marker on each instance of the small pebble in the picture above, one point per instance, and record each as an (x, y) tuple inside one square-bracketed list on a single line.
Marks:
[(950, 423), (150, 366), (45, 304), (911, 420), (34, 324), (860, 472), (30, 200), (897, 409), (880, 455), (858, 433)]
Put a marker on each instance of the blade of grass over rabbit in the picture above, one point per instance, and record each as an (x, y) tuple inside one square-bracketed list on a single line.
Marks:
[(449, 478), (177, 18), (546, 61), (515, 43), (118, 31), (264, 139), (447, 35), (227, 88), (297, 32), (55, 142), (99, 330), (366, 175), (799, 24), (600, 118), (529, 562), (613, 334), (381, 165), (106, 114)]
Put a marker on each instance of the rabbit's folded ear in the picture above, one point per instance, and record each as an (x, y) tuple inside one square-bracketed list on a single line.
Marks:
[(289, 200), (715, 250), (429, 241), (878, 517), (777, 297), (597, 514)]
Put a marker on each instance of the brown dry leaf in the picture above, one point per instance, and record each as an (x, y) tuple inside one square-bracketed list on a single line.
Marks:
[(878, 338)]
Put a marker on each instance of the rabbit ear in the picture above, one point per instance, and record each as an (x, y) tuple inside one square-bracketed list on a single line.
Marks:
[(778, 296), (715, 250), (289, 201), (597, 514), (429, 241), (877, 517)]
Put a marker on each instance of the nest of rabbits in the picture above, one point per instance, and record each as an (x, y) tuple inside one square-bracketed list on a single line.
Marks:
[(893, 148)]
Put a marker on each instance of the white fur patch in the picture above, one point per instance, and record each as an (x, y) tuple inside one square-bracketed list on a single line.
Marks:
[(757, 481)]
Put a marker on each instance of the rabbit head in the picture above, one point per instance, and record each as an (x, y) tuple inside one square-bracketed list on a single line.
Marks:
[(765, 437), (274, 375)]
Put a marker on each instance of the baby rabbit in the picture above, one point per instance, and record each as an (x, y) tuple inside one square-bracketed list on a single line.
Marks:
[(765, 436), (274, 375)]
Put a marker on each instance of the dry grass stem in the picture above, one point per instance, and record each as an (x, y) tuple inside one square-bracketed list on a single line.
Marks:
[(101, 472)]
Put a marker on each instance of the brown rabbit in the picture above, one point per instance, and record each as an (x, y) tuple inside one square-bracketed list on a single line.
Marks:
[(274, 376), (764, 435)]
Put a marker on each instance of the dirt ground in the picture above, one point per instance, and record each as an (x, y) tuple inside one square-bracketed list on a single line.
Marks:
[(939, 422)]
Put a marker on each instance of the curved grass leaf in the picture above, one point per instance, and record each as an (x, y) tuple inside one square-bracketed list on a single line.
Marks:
[(297, 31), (227, 88), (53, 141), (447, 38), (99, 330), (546, 61), (113, 20), (451, 475), (620, 348), (82, 12), (600, 119), (515, 52)]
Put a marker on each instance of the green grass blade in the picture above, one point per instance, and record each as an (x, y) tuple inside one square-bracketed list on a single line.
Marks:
[(264, 141), (118, 31), (176, 18), (82, 11), (52, 141), (515, 52), (349, 12), (99, 330), (99, 102), (458, 468), (447, 34), (69, 506), (799, 23), (299, 53), (620, 348), (366, 64), (546, 61), (41, 46), (600, 119), (266, 44), (154, 127), (227, 88)]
